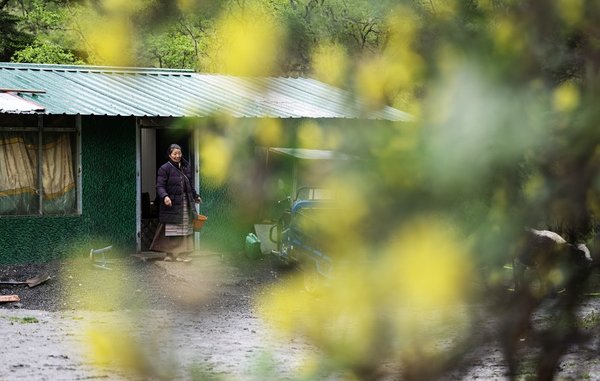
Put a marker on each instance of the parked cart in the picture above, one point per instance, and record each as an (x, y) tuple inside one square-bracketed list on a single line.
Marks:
[(296, 233)]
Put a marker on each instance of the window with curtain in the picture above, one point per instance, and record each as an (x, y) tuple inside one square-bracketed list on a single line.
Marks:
[(31, 163)]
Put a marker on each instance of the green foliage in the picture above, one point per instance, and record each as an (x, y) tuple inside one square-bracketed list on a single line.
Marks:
[(42, 17), (168, 36), (356, 25), (13, 38), (170, 50), (179, 45), (51, 41), (45, 52)]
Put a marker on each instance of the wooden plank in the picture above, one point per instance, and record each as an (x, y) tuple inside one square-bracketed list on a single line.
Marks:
[(33, 91), (9, 298), (150, 255)]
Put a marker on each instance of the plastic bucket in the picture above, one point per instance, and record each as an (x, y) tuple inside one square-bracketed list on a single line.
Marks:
[(252, 246), (198, 222)]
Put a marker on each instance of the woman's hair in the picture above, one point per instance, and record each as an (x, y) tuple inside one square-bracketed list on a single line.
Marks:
[(172, 148)]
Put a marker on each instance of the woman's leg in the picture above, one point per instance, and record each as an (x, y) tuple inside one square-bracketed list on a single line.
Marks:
[(184, 246)]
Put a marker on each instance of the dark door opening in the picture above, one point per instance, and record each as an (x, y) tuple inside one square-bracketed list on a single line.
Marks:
[(155, 142)]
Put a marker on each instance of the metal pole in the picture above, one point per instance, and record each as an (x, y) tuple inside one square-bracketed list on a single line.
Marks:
[(78, 164), (138, 187), (196, 149), (40, 166)]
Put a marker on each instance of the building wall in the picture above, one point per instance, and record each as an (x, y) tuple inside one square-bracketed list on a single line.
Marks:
[(108, 199), (109, 182)]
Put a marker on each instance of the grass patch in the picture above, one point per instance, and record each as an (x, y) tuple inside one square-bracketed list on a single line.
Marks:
[(24, 320), (204, 372)]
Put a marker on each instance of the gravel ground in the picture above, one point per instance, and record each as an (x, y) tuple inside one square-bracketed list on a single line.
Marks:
[(178, 321), (172, 321), (132, 283)]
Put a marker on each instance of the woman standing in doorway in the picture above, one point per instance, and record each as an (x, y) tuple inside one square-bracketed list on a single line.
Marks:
[(176, 195)]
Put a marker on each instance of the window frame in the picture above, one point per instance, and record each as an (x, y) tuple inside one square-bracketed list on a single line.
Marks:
[(41, 129)]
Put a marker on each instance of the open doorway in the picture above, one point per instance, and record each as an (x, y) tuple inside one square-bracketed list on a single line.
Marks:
[(154, 145)]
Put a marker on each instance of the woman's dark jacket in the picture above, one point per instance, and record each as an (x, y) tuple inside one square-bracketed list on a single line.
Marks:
[(172, 182)]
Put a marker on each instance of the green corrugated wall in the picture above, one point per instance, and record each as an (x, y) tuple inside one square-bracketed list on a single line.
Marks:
[(224, 230), (109, 181)]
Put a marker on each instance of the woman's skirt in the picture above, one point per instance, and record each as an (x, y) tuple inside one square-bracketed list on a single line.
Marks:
[(175, 238)]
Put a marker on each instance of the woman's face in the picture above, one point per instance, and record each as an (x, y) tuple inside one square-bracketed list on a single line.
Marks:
[(175, 155)]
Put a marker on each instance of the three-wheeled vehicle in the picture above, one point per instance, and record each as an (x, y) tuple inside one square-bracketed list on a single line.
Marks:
[(296, 232)]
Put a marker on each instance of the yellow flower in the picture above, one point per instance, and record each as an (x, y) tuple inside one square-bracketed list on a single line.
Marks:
[(248, 44), (330, 64), (566, 97)]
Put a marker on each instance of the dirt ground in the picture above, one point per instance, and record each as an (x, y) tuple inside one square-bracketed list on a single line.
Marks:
[(178, 321), (189, 321)]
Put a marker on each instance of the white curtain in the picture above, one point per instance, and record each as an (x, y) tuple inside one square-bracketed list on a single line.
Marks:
[(18, 173)]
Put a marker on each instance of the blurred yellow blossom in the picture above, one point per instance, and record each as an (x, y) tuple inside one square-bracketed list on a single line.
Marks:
[(379, 79), (113, 346), (570, 10), (186, 5), (310, 135), (382, 78), (248, 43), (371, 82), (215, 157), (413, 294), (112, 43), (403, 27), (109, 30), (124, 6), (341, 320), (330, 63), (443, 9), (427, 265), (566, 97), (269, 132), (508, 37)]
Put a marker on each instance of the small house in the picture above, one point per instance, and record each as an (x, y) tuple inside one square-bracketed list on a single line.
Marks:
[(80, 146)]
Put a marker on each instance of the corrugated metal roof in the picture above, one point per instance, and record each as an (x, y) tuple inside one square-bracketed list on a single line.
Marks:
[(10, 103), (310, 154), (94, 90)]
